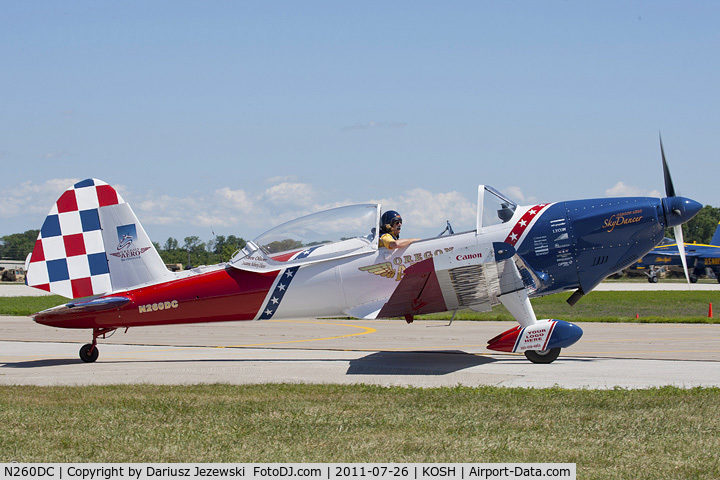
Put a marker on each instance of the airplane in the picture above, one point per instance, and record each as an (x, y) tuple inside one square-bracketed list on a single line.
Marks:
[(700, 258), (93, 250)]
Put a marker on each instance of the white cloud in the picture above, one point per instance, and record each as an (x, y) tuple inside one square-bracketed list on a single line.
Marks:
[(204, 220), (153, 203), (33, 198), (236, 199), (516, 194), (160, 220), (432, 209), (622, 190), (425, 210), (218, 210), (249, 213), (227, 207), (290, 194), (281, 179)]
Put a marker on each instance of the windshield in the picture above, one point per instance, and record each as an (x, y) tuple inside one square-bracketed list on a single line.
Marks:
[(329, 226), (496, 208)]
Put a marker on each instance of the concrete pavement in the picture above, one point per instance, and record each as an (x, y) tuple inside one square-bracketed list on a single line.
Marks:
[(383, 352)]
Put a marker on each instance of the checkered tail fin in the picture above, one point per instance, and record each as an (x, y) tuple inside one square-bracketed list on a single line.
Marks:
[(92, 243)]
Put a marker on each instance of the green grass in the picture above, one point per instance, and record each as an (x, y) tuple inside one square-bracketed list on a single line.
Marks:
[(660, 307), (656, 434), (24, 306)]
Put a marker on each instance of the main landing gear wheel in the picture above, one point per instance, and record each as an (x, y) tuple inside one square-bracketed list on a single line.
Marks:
[(545, 356), (89, 353)]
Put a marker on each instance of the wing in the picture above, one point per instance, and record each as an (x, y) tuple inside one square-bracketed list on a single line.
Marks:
[(474, 277), (383, 269)]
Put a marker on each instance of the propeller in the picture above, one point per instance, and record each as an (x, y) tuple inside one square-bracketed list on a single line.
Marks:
[(677, 229)]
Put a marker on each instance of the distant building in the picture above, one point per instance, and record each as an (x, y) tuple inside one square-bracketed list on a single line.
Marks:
[(12, 263)]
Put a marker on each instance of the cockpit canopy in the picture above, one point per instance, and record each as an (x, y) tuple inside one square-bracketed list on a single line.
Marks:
[(334, 233), (343, 232)]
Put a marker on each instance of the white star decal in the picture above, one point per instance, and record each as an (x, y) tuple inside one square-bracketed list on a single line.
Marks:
[(306, 252), (523, 223), (281, 287), (274, 300), (532, 212), (289, 273), (513, 236), (268, 312)]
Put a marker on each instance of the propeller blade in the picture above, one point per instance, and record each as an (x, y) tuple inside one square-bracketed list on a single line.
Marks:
[(669, 188), (681, 248)]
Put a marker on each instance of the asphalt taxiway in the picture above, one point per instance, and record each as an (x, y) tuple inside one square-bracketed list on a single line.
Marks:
[(382, 352)]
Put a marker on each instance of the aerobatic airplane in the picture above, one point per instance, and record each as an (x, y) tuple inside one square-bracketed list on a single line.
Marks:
[(700, 258), (92, 249)]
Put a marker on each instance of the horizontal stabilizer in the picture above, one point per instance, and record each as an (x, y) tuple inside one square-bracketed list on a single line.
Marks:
[(99, 304), (89, 306)]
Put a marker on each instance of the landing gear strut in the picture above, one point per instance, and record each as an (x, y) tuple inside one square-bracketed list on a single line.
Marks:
[(652, 274), (89, 352)]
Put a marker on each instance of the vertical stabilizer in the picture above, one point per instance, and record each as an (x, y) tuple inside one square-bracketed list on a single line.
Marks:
[(92, 243), (716, 238)]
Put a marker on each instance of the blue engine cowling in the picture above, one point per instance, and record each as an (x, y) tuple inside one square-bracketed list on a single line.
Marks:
[(580, 243)]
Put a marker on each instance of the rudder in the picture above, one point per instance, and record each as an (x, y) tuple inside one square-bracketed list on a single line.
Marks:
[(92, 243)]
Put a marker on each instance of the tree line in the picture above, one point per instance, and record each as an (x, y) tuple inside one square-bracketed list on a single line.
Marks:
[(194, 252), (702, 226)]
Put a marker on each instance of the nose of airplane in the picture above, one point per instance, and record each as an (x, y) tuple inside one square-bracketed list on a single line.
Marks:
[(679, 210)]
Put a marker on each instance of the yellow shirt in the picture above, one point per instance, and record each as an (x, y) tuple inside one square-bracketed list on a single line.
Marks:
[(385, 240)]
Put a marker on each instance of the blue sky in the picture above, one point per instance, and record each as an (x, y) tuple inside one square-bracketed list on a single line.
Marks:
[(231, 117)]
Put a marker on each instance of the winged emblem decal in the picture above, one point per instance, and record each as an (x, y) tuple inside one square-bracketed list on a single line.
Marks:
[(383, 269)]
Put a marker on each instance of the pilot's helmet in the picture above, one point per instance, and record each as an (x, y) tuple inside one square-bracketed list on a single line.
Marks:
[(387, 219)]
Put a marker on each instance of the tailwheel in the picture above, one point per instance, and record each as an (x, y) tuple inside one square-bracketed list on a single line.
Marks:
[(89, 353), (545, 356)]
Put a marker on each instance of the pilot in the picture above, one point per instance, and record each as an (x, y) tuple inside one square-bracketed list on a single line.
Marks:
[(390, 225)]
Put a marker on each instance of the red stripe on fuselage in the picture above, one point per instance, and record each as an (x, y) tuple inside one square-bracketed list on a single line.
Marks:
[(218, 296), (532, 213)]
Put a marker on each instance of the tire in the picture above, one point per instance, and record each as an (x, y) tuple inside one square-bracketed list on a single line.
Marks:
[(653, 279), (546, 356), (88, 354), (693, 279)]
